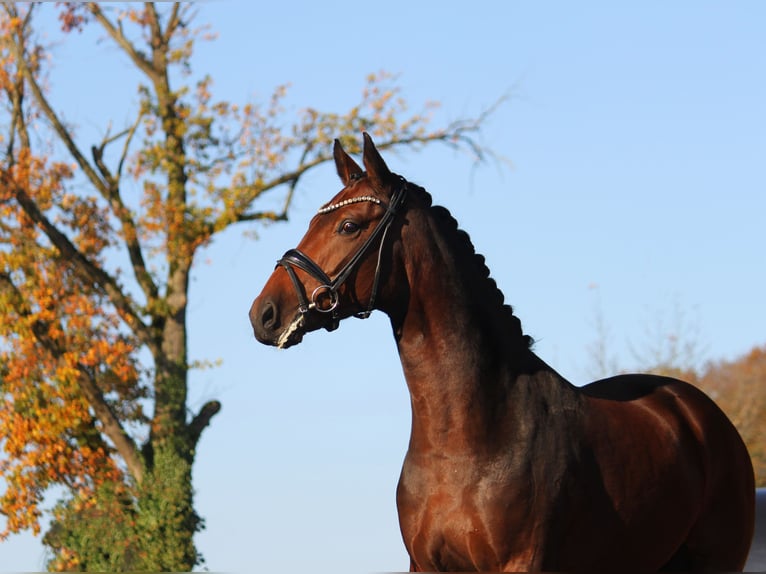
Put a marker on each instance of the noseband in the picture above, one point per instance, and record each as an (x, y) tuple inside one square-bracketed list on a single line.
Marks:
[(329, 287)]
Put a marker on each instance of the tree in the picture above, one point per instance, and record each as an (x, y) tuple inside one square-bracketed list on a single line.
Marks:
[(93, 359), (739, 388)]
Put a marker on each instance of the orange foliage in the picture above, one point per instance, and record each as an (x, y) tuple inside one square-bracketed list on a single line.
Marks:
[(73, 16), (739, 388), (55, 331)]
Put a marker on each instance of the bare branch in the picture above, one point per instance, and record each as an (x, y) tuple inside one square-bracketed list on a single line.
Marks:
[(457, 135), (58, 126), (173, 23), (262, 215), (98, 158), (130, 232), (117, 35), (202, 420), (112, 426), (131, 133), (154, 24)]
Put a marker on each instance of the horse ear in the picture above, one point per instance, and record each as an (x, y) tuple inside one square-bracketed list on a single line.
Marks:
[(377, 170), (347, 168)]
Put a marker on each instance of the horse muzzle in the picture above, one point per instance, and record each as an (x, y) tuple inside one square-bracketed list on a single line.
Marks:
[(270, 327)]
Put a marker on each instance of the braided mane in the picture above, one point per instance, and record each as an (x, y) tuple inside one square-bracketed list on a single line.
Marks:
[(461, 242)]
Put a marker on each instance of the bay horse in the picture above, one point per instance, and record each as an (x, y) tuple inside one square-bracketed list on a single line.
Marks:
[(509, 466)]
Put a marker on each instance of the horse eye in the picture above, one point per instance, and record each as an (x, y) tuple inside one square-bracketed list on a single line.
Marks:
[(348, 227)]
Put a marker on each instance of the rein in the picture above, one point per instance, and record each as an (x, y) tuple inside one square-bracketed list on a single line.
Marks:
[(329, 287)]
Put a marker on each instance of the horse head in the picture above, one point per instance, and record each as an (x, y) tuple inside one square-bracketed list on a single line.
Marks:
[(337, 269)]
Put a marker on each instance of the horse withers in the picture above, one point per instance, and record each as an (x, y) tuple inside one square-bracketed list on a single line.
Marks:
[(509, 466)]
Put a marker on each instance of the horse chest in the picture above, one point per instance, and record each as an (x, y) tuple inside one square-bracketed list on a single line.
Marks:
[(457, 516)]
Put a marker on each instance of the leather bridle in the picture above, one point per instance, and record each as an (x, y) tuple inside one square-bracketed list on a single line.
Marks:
[(329, 287)]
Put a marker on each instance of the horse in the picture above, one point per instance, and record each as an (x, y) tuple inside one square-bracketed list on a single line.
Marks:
[(509, 467)]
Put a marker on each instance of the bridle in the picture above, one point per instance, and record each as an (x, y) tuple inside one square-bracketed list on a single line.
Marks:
[(329, 287)]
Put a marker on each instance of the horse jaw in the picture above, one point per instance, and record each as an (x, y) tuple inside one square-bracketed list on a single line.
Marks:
[(292, 335)]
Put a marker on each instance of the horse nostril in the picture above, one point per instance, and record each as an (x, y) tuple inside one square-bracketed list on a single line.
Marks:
[(268, 315)]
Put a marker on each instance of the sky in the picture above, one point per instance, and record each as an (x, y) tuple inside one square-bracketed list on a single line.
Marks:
[(632, 213)]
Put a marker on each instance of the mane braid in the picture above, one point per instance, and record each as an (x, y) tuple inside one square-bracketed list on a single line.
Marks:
[(461, 240)]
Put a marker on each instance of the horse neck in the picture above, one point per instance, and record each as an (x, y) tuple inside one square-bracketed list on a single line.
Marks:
[(468, 366)]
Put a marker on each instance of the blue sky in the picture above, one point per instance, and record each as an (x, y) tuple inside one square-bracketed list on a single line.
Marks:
[(637, 133)]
